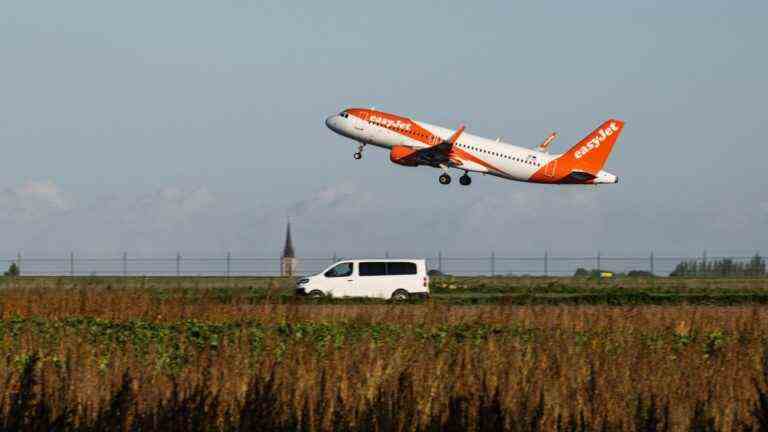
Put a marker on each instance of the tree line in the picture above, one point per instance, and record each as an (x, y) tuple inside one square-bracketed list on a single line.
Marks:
[(721, 267)]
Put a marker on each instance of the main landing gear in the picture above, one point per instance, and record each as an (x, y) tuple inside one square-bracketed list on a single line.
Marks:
[(464, 180), (359, 153)]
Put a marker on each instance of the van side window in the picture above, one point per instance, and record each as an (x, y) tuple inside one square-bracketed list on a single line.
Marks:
[(340, 270), (401, 268), (373, 269)]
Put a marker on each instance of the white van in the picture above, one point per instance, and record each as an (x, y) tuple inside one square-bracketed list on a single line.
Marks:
[(398, 279)]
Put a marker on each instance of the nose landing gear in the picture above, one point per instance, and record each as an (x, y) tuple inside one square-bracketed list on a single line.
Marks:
[(465, 180), (444, 179), (359, 153)]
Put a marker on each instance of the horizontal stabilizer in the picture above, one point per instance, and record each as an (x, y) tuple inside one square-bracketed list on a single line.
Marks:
[(544, 147), (580, 176)]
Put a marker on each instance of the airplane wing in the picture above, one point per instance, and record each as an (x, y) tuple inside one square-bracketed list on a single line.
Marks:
[(439, 152)]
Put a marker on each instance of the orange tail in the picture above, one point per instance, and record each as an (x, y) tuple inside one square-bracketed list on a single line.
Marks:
[(590, 154)]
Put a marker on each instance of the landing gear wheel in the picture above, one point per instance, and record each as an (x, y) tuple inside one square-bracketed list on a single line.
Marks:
[(358, 155), (444, 179), (400, 295), (465, 180)]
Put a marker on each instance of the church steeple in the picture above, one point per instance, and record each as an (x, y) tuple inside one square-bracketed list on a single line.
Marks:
[(288, 248), (288, 263)]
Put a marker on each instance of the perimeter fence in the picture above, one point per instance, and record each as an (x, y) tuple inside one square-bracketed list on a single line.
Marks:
[(491, 264)]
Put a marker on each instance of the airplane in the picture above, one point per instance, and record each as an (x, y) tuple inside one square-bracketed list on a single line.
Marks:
[(414, 143)]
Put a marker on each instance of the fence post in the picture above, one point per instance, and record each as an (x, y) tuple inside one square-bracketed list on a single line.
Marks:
[(440, 261), (178, 264), (125, 264), (72, 264), (229, 258), (18, 262), (652, 264), (546, 263), (493, 263)]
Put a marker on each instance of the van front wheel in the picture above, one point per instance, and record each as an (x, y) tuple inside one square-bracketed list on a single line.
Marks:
[(400, 295), (316, 294)]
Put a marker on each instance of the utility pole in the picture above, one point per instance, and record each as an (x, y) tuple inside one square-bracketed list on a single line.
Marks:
[(598, 261), (440, 262), (229, 258), (546, 263), (178, 264), (18, 262), (653, 272), (72, 264), (125, 264), (493, 263)]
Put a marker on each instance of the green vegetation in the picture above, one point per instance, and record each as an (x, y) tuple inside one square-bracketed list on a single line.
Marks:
[(239, 354), (722, 267), (621, 290), (597, 273), (13, 270)]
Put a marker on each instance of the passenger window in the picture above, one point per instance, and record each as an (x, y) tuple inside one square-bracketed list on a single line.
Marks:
[(373, 269), (401, 268), (340, 270)]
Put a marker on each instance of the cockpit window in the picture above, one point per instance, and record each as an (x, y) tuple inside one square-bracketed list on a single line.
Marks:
[(343, 114)]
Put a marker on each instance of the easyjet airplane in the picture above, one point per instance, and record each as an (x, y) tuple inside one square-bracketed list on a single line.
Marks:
[(413, 143)]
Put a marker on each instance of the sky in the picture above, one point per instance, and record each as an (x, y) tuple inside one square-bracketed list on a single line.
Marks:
[(197, 126)]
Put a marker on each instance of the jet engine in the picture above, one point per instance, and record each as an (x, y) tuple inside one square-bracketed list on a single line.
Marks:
[(402, 155)]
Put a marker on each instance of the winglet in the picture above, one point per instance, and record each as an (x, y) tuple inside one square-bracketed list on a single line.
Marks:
[(456, 134), (544, 146)]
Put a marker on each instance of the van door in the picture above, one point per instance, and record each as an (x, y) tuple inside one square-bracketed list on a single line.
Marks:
[(340, 280), (372, 280)]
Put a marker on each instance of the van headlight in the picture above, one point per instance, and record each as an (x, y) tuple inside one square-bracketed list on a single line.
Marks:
[(302, 281)]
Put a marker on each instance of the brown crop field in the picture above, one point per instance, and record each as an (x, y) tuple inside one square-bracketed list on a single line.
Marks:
[(205, 354)]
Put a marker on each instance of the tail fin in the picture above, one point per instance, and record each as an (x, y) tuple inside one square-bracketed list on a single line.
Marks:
[(590, 154)]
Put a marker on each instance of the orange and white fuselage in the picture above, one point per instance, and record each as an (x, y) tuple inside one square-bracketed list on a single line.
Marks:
[(414, 143)]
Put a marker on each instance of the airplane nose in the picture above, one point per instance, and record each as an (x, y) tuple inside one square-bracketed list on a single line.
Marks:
[(331, 122)]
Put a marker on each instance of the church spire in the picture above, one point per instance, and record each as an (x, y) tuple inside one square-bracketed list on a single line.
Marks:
[(288, 249)]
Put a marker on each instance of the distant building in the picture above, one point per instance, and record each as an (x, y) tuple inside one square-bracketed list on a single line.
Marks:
[(288, 262)]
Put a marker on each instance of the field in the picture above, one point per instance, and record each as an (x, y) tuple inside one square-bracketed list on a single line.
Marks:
[(484, 354)]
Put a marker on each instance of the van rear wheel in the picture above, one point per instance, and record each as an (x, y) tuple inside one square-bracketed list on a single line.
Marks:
[(400, 295), (316, 294)]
